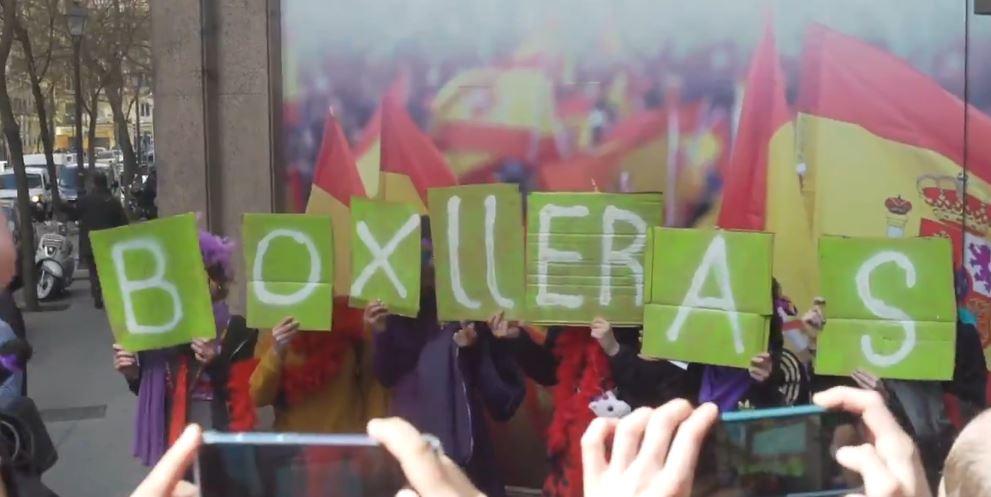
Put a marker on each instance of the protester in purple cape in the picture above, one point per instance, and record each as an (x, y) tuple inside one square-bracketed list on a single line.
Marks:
[(188, 383), (647, 382), (442, 376)]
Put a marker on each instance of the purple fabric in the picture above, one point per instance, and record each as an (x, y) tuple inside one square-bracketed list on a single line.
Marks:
[(10, 363), (724, 386), (217, 251), (149, 420)]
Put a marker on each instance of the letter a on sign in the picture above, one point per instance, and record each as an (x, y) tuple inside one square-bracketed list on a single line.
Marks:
[(154, 284), (891, 307), (710, 296), (289, 259), (478, 251), (385, 255)]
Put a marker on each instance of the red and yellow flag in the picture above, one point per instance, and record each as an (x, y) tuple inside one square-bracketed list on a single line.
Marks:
[(762, 190), (885, 150), (336, 179), (411, 164), (368, 149)]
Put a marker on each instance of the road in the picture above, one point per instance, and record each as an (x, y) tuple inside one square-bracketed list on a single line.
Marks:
[(86, 404)]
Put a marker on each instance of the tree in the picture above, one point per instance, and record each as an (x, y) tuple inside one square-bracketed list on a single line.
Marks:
[(12, 133), (42, 14), (119, 45)]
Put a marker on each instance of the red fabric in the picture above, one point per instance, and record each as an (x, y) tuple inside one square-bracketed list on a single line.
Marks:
[(180, 400), (501, 141), (336, 172), (848, 80), (240, 405), (764, 111), (323, 354), (582, 375), (407, 150), (397, 92)]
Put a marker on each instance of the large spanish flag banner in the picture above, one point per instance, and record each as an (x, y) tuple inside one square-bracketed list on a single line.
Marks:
[(410, 163), (336, 179), (885, 150), (762, 191)]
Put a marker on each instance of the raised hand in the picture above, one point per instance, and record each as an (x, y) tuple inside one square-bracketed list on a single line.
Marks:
[(126, 363), (890, 467), (205, 350), (654, 451), (466, 336), (760, 367), (602, 332), (375, 315), (283, 334), (501, 328)]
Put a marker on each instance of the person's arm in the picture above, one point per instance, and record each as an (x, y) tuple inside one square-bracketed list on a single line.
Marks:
[(397, 348), (767, 393), (970, 373), (536, 361), (497, 376), (267, 377)]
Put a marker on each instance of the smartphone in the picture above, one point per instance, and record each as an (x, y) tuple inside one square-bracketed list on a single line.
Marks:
[(295, 465), (778, 452)]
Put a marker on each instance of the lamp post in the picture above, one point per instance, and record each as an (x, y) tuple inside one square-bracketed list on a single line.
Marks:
[(139, 80), (76, 15)]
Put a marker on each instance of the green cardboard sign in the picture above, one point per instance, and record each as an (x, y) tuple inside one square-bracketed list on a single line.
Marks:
[(385, 255), (478, 251), (891, 307), (154, 284), (710, 296), (289, 259), (585, 256)]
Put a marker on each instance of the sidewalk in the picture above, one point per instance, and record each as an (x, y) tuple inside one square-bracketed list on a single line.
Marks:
[(85, 403)]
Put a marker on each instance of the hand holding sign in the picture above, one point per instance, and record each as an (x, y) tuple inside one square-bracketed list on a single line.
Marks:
[(466, 336), (126, 363), (602, 332), (283, 333), (501, 328), (204, 350), (375, 315)]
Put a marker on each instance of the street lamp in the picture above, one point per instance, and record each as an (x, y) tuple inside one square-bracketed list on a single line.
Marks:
[(76, 15)]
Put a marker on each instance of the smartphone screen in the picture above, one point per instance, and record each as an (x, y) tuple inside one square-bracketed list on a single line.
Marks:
[(777, 452), (295, 465)]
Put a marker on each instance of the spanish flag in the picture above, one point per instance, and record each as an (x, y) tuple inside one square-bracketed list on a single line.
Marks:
[(885, 151), (335, 180), (411, 164), (762, 189), (368, 150)]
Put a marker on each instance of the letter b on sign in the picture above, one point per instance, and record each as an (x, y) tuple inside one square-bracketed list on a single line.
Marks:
[(154, 284), (289, 259)]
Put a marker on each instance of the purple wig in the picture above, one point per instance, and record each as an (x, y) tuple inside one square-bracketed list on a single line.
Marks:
[(217, 252)]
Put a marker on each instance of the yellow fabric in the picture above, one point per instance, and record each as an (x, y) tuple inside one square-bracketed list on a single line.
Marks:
[(519, 97), (344, 405), (368, 168), (795, 261), (322, 202), (399, 188), (647, 166)]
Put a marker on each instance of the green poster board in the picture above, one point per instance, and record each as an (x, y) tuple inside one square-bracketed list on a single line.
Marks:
[(289, 259), (710, 296), (385, 255), (585, 256), (154, 284), (890, 305), (478, 251)]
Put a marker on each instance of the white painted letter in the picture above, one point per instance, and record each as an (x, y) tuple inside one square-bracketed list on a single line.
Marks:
[(713, 260), (453, 249), (156, 280), (261, 290), (546, 255), (624, 256), (380, 255), (490, 271), (882, 310)]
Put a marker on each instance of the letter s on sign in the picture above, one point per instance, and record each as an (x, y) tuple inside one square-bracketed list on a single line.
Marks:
[(882, 310)]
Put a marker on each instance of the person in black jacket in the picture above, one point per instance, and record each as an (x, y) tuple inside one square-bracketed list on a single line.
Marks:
[(98, 210)]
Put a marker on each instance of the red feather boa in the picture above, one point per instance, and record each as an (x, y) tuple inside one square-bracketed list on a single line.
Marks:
[(323, 354), (582, 375)]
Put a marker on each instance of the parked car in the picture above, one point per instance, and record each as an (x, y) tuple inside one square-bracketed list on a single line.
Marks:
[(40, 195)]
